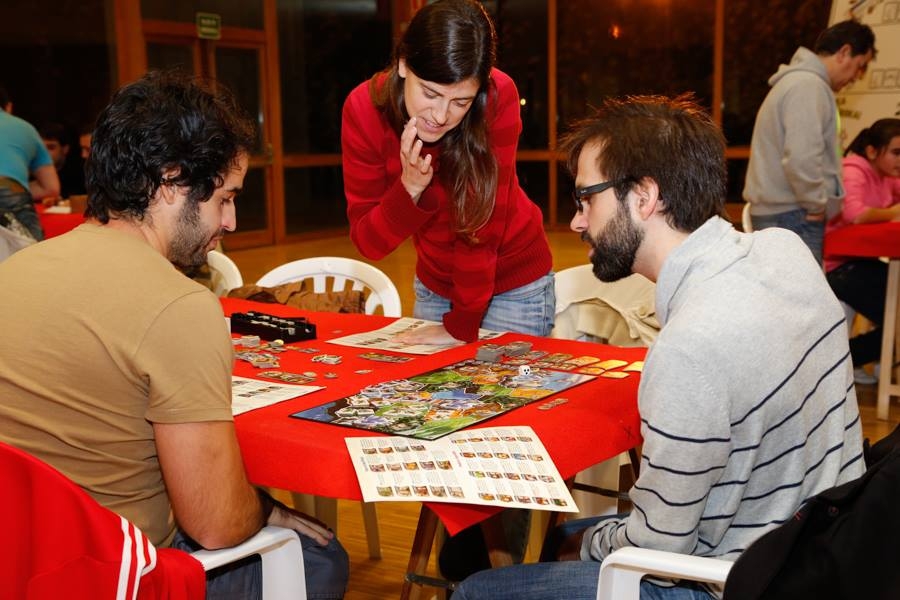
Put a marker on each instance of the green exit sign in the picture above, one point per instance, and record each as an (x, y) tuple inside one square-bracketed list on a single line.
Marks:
[(209, 26)]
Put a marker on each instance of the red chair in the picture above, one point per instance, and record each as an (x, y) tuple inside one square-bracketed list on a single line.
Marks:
[(60, 543)]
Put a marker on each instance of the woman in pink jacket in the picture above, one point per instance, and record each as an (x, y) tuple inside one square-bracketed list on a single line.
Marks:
[(871, 170)]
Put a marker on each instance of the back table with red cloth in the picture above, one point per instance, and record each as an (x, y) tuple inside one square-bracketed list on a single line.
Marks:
[(55, 224), (876, 240)]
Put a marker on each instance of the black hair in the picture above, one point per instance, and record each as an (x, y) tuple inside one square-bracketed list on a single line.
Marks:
[(859, 36), (878, 135), (55, 131), (164, 123)]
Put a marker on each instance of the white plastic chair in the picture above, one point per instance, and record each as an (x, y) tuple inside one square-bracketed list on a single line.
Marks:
[(381, 292), (620, 313), (283, 574), (363, 276), (621, 571), (746, 219), (624, 304), (229, 276)]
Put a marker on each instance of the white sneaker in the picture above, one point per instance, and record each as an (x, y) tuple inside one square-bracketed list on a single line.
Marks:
[(862, 377)]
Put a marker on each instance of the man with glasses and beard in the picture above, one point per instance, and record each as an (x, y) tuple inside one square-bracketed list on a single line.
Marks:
[(115, 368), (746, 399)]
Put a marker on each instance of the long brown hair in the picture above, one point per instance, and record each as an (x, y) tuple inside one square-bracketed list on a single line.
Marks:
[(447, 42)]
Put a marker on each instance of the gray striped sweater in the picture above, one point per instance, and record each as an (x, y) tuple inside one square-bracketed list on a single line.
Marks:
[(747, 401)]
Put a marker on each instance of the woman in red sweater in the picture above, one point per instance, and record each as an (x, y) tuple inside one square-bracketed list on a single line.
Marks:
[(429, 151)]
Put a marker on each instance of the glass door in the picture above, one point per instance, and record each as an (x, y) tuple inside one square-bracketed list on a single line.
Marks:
[(237, 60)]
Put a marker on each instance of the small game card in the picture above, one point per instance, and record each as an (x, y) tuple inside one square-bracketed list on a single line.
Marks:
[(611, 364), (287, 377), (592, 370), (379, 357), (582, 361), (557, 357), (615, 374)]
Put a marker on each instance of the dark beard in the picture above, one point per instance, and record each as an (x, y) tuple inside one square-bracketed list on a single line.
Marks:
[(187, 249), (615, 248)]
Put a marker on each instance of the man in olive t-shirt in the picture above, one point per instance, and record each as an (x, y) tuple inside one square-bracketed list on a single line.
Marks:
[(114, 367)]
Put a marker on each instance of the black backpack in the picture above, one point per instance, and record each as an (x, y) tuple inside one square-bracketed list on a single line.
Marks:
[(841, 544)]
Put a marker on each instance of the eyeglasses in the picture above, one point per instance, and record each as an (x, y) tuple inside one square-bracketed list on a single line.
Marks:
[(586, 192)]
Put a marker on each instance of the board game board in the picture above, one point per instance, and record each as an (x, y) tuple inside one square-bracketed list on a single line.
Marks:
[(442, 401)]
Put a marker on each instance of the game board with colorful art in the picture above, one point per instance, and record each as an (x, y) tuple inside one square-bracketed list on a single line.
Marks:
[(445, 400)]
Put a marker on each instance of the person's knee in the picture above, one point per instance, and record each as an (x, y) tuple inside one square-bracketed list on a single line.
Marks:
[(470, 588), (327, 569)]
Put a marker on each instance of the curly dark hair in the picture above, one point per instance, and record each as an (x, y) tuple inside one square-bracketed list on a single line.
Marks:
[(670, 140), (165, 122)]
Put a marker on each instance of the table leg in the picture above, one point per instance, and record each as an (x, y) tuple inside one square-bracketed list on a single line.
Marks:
[(495, 540), (421, 550), (427, 529), (886, 385)]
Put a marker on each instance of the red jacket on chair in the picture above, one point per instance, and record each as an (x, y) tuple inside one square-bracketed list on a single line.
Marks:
[(60, 543)]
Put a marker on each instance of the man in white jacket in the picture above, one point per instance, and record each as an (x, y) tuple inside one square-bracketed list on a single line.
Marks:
[(794, 175)]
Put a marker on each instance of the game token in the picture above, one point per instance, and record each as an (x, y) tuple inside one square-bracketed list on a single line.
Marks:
[(363, 371), (524, 370), (249, 341), (330, 375), (329, 359)]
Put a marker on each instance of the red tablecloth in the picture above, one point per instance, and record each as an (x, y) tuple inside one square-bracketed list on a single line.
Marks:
[(599, 421), (55, 224), (871, 239)]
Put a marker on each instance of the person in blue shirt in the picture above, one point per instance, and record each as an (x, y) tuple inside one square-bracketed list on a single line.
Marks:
[(23, 155)]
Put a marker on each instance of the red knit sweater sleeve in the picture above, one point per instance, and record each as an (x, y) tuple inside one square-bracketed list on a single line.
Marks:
[(475, 266), (380, 210)]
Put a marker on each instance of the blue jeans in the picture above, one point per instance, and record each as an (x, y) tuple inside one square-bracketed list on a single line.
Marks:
[(21, 206), (811, 232), (572, 580), (527, 309), (327, 570)]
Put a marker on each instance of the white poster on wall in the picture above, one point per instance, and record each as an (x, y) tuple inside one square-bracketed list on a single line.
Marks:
[(877, 95)]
